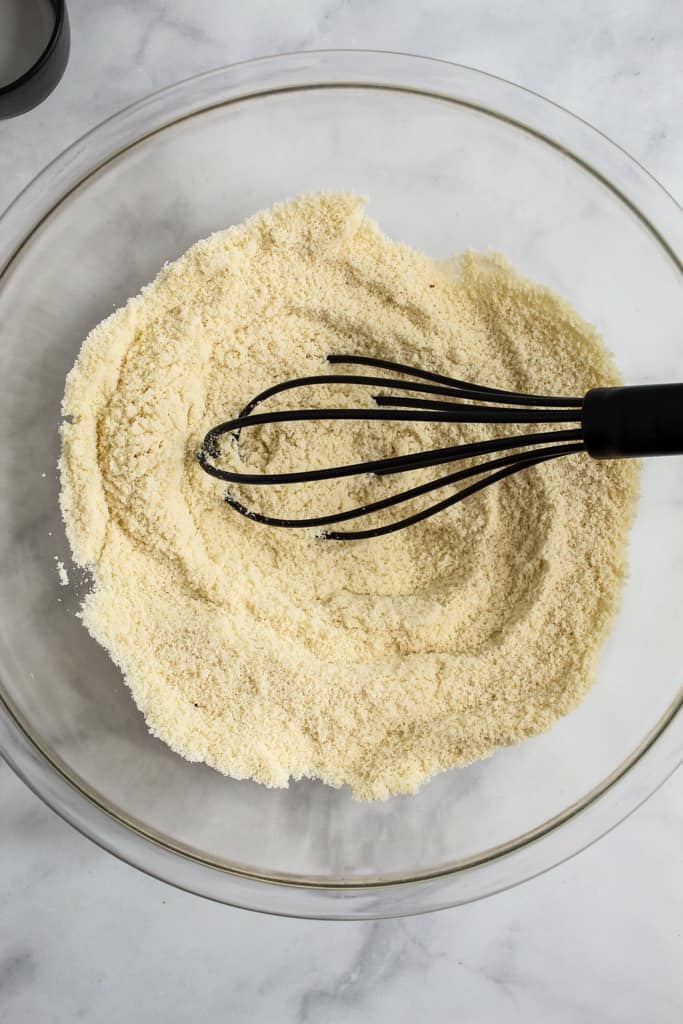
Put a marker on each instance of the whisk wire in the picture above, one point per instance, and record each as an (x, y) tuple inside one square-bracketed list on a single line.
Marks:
[(440, 506), (392, 464), (453, 383), (460, 413), (522, 459)]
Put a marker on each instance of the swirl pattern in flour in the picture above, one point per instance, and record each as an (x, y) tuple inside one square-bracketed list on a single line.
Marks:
[(271, 654)]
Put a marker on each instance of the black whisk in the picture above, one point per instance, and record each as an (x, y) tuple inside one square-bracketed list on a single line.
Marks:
[(608, 423)]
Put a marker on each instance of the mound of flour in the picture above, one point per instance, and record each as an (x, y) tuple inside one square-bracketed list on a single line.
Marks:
[(272, 654)]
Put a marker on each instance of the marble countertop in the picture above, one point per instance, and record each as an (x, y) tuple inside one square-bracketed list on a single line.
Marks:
[(600, 938)]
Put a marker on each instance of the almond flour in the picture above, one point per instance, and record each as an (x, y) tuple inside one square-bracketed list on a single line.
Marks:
[(272, 654)]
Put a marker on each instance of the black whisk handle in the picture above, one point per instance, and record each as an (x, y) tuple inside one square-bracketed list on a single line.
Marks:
[(630, 422)]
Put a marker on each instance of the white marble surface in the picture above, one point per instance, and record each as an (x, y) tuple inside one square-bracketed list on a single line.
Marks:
[(83, 936)]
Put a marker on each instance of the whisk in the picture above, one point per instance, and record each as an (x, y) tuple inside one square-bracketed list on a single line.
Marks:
[(607, 423)]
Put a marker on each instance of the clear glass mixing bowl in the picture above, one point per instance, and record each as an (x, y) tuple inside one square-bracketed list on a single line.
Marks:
[(450, 158)]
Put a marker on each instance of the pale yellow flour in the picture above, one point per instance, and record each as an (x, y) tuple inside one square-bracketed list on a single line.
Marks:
[(272, 654)]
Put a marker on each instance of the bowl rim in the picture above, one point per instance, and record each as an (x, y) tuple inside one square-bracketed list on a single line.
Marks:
[(576, 826)]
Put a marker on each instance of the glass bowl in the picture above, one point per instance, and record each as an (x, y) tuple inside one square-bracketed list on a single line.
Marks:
[(450, 158)]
